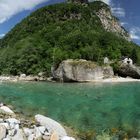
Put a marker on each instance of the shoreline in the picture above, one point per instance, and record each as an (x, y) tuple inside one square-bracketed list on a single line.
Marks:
[(31, 78)]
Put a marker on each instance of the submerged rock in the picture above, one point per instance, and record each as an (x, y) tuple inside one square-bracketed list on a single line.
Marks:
[(81, 70)]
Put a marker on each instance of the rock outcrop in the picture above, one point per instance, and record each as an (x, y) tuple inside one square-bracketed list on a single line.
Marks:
[(81, 71), (111, 23), (128, 70)]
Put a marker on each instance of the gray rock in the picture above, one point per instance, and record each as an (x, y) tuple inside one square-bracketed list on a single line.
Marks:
[(37, 133), (42, 129), (51, 124), (27, 131), (13, 120), (2, 132), (31, 137), (81, 70), (126, 70), (19, 135)]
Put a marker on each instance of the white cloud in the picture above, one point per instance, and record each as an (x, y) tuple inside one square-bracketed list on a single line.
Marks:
[(123, 23), (2, 35), (135, 33), (118, 11), (9, 8)]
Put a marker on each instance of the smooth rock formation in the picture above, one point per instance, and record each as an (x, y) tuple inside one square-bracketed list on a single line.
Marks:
[(81, 71), (6, 110), (128, 70), (51, 125)]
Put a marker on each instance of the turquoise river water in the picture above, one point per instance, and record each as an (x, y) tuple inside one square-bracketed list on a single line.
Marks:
[(84, 106)]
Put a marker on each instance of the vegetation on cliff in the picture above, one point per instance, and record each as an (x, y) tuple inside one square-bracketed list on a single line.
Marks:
[(58, 32)]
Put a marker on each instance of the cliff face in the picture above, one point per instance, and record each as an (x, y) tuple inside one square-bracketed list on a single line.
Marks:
[(81, 71), (111, 24)]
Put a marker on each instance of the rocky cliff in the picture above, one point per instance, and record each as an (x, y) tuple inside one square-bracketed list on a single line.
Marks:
[(81, 71), (111, 23)]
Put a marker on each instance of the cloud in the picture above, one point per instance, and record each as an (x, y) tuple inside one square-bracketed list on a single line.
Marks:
[(123, 23), (9, 8), (2, 35), (118, 11), (135, 33)]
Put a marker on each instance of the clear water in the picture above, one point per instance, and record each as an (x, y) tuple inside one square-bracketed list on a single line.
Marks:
[(84, 106)]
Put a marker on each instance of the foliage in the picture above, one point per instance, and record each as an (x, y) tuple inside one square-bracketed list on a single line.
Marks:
[(58, 32)]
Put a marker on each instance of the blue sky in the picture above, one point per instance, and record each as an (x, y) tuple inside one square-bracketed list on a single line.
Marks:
[(13, 11)]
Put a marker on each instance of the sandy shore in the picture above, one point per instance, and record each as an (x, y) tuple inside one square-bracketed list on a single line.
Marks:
[(117, 79)]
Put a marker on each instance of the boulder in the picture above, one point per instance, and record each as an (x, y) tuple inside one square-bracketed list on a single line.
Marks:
[(81, 71), (127, 70), (23, 75), (51, 125), (6, 110)]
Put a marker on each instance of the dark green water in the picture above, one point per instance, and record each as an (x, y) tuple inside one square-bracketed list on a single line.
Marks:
[(82, 106)]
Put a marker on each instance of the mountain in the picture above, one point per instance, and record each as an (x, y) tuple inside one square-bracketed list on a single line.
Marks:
[(62, 31)]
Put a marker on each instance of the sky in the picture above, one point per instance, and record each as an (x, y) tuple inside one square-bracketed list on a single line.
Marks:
[(13, 11)]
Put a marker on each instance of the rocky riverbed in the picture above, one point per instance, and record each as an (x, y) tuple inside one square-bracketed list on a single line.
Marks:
[(13, 127)]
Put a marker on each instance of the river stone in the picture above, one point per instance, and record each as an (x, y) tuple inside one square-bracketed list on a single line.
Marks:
[(42, 129), (2, 132), (67, 138), (52, 125), (13, 120), (19, 135), (46, 137), (37, 133), (6, 110), (27, 131), (6, 125), (54, 136)]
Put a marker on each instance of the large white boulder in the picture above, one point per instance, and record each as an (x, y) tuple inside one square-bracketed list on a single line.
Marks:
[(51, 125)]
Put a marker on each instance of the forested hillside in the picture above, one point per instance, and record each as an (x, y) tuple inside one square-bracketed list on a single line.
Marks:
[(58, 32)]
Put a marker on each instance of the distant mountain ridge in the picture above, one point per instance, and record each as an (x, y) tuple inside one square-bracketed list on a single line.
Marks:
[(64, 31)]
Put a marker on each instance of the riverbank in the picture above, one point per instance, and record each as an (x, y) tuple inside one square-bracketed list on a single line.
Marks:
[(13, 127), (37, 78)]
